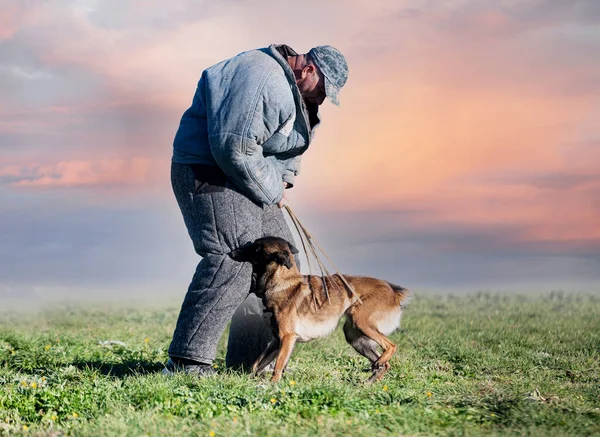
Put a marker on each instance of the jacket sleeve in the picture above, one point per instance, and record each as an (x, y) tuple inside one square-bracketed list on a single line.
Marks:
[(247, 116), (291, 171)]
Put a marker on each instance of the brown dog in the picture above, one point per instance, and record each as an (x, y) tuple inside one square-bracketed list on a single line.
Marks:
[(302, 312)]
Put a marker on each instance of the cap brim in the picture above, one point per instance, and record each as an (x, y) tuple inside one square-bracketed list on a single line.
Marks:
[(332, 92)]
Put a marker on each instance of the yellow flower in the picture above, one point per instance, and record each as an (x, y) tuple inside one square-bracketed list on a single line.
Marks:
[(235, 419), (385, 388), (48, 346), (492, 415), (12, 352), (58, 340), (348, 421), (43, 378), (273, 400), (211, 433), (33, 385), (24, 383), (429, 394), (215, 366), (75, 415), (25, 427), (377, 411), (54, 418), (292, 382), (146, 340)]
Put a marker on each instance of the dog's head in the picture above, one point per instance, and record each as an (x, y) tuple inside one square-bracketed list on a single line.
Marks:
[(266, 251)]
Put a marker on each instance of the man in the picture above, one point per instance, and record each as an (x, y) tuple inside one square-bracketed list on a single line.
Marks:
[(237, 148)]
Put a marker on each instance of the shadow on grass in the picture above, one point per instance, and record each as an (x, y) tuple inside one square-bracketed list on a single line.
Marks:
[(122, 369)]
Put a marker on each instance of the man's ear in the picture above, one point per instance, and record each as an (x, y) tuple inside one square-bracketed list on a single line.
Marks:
[(308, 69), (244, 254), (292, 248)]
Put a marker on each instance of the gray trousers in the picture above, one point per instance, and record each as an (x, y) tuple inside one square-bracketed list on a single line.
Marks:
[(220, 219)]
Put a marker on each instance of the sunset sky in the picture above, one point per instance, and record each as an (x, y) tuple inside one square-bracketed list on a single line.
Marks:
[(465, 154)]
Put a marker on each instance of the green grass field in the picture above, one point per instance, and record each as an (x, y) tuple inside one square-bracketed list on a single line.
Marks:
[(485, 364)]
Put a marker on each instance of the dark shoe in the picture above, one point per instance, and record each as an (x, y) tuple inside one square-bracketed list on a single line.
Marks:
[(198, 369)]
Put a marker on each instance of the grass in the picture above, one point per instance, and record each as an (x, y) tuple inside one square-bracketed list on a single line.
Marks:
[(485, 364)]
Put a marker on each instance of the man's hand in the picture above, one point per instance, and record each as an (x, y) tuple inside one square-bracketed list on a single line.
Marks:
[(284, 199)]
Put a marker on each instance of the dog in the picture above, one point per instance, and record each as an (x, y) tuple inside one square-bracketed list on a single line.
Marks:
[(304, 309)]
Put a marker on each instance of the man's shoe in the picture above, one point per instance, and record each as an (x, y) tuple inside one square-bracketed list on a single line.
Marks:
[(198, 369)]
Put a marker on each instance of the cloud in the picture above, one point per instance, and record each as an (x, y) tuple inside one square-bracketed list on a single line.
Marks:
[(585, 12), (31, 75), (11, 18), (487, 20), (107, 172), (554, 181)]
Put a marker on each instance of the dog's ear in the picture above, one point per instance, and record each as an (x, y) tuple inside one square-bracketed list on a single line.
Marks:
[(245, 253), (292, 248)]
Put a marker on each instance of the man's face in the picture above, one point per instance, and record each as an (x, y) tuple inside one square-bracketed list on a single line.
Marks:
[(312, 84)]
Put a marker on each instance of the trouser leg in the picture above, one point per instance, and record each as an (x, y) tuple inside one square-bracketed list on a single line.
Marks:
[(219, 285), (218, 219)]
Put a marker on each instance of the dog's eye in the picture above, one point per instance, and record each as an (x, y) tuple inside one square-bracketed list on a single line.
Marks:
[(276, 258)]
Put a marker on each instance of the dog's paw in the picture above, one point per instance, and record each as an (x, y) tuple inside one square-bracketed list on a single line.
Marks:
[(378, 372)]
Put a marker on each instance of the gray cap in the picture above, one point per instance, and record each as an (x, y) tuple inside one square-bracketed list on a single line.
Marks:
[(333, 65)]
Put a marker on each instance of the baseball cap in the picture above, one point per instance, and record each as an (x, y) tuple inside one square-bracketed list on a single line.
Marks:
[(332, 64)]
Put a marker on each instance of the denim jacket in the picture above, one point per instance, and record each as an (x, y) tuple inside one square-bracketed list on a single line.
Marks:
[(248, 117)]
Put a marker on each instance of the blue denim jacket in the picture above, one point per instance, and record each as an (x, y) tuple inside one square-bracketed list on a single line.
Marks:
[(247, 117)]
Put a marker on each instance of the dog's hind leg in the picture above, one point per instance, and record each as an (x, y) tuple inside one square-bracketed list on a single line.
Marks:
[(360, 342), (267, 356), (381, 365)]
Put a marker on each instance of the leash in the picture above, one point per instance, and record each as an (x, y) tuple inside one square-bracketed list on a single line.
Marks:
[(305, 235)]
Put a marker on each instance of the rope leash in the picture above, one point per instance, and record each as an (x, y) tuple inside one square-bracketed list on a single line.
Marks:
[(305, 235), (302, 232)]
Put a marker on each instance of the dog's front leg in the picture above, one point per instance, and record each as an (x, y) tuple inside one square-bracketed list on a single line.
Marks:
[(287, 346), (267, 356)]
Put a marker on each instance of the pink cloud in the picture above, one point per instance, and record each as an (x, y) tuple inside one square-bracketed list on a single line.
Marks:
[(11, 17), (103, 173)]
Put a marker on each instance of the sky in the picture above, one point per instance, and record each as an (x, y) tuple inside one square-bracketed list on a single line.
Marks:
[(465, 154)]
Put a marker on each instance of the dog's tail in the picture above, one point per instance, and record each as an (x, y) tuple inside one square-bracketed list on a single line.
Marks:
[(403, 294)]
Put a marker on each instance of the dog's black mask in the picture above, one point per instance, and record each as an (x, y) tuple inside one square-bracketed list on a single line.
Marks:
[(265, 251)]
